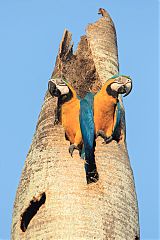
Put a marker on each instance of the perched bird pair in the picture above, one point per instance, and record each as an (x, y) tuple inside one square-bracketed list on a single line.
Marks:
[(94, 115)]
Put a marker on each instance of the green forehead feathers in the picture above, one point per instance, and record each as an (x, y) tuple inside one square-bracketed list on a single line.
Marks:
[(120, 75)]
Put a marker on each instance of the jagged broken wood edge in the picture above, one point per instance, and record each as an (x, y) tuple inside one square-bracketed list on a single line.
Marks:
[(70, 65)]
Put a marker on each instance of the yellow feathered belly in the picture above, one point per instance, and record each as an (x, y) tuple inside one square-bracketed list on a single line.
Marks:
[(104, 115), (70, 119)]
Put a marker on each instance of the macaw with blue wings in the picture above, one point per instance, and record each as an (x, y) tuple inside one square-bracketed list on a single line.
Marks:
[(107, 108)]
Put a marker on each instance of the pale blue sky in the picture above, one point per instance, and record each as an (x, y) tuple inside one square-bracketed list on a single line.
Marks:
[(30, 32)]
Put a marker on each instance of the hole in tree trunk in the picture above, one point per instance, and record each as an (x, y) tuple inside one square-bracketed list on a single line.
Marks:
[(31, 211)]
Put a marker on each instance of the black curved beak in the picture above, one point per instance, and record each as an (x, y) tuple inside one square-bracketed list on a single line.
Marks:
[(125, 88), (54, 91), (128, 88)]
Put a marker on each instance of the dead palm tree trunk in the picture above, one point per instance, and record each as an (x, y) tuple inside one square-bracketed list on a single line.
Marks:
[(53, 200)]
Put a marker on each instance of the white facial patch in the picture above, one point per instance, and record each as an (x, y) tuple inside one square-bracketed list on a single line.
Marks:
[(115, 86), (63, 89)]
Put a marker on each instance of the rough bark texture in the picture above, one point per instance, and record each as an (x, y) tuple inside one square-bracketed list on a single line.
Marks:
[(72, 209)]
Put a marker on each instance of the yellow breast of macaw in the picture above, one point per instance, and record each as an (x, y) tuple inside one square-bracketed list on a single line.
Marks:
[(104, 112), (70, 118)]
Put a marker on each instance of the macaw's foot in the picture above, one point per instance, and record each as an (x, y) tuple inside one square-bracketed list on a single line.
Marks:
[(92, 177), (102, 134), (72, 147)]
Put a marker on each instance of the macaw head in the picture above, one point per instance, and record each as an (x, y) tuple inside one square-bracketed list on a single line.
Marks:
[(118, 84), (57, 87), (60, 87)]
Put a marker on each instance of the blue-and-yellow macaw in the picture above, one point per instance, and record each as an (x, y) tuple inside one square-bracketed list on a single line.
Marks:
[(100, 115), (70, 108), (77, 120), (107, 107)]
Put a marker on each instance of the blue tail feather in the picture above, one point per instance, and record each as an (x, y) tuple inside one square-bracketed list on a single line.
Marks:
[(88, 135), (118, 119)]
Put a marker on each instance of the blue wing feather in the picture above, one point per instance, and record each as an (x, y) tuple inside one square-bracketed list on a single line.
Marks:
[(118, 118), (87, 127)]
